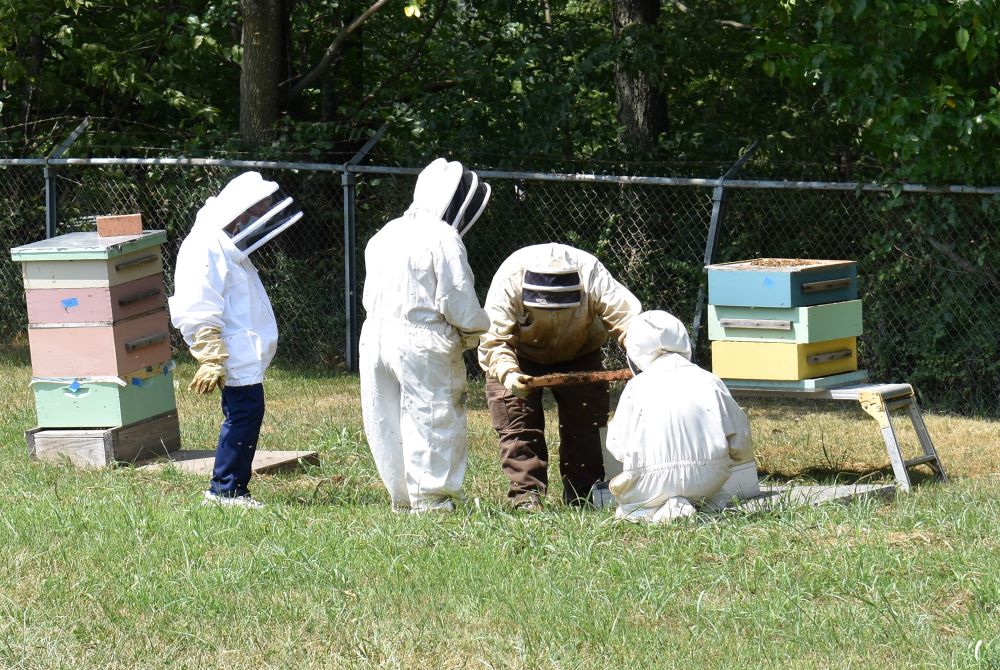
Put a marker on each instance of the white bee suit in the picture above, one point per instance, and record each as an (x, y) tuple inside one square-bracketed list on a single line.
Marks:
[(421, 314), (215, 284), (676, 430)]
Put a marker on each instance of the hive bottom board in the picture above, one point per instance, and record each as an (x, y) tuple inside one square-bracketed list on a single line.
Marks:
[(99, 447)]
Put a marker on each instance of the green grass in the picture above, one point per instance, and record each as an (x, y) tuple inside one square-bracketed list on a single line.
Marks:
[(125, 569)]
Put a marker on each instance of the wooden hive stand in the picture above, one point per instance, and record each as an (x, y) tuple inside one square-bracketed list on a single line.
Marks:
[(878, 401)]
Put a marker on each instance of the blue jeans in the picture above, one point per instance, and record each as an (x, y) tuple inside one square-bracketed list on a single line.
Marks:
[(243, 407)]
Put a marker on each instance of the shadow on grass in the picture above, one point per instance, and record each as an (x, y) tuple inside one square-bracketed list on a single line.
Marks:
[(831, 475), (15, 353)]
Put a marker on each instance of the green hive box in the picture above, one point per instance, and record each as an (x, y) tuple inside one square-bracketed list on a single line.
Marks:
[(831, 321), (105, 402)]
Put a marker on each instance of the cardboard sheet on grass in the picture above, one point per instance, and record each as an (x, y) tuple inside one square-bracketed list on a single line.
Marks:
[(791, 495), (200, 461)]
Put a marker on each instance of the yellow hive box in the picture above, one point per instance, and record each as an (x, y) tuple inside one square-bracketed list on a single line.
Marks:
[(783, 360)]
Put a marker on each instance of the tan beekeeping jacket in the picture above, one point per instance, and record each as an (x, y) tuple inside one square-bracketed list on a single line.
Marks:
[(552, 335)]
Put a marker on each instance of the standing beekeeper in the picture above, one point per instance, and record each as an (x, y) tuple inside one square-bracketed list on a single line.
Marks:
[(421, 314), (676, 430), (552, 308), (220, 307)]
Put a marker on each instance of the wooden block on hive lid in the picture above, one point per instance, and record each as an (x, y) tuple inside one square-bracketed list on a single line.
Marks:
[(156, 436), (117, 226)]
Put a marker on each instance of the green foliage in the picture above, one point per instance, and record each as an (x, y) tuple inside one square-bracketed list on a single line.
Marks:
[(912, 84), (130, 62)]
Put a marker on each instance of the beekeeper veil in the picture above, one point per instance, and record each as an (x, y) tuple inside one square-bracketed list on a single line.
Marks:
[(451, 193), (653, 335), (250, 209)]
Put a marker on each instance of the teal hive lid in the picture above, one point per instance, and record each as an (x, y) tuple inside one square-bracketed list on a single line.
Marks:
[(86, 246)]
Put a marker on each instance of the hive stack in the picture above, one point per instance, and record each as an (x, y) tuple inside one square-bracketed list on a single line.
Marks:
[(785, 323), (99, 336)]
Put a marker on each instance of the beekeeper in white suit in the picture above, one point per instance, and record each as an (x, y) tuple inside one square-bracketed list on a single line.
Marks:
[(676, 430), (422, 313), (220, 307)]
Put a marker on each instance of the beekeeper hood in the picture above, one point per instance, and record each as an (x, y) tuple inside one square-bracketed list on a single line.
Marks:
[(259, 209), (653, 335), (451, 193), (553, 283)]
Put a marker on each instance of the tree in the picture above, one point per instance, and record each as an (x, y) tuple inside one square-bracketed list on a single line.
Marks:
[(642, 106), (914, 84), (261, 72)]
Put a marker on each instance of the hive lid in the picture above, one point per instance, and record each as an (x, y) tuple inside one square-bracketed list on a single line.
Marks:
[(86, 246), (781, 265)]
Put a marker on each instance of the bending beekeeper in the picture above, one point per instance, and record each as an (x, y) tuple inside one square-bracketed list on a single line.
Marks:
[(422, 313), (220, 307), (552, 308), (676, 430)]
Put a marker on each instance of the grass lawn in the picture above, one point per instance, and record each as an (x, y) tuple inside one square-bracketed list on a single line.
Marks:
[(125, 569)]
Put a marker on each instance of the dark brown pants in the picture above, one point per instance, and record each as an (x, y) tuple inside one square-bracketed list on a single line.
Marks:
[(520, 424)]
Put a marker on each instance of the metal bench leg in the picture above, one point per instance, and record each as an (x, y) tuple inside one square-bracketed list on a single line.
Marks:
[(931, 458), (874, 405)]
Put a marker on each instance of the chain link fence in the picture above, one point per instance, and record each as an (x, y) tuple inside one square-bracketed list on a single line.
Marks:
[(926, 259)]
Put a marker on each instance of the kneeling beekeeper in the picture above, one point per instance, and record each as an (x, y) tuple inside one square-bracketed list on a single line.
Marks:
[(552, 307), (220, 307), (422, 314), (676, 430)]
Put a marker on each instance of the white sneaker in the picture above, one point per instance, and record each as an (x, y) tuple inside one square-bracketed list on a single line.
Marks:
[(677, 507), (442, 506), (244, 501)]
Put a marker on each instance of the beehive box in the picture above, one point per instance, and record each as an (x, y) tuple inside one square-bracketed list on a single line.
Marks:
[(104, 402), (782, 282), (817, 323), (103, 304), (86, 260), (87, 350), (156, 436), (783, 360)]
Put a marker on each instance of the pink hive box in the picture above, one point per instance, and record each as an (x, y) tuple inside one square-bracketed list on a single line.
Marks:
[(95, 304), (99, 350)]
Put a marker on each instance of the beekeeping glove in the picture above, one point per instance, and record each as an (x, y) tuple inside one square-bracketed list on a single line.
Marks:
[(515, 382), (469, 339), (209, 350)]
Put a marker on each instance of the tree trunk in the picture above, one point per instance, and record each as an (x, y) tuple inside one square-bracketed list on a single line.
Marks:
[(345, 79), (642, 108), (260, 77)]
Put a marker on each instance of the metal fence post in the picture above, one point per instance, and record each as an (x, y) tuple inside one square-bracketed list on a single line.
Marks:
[(712, 241), (349, 181), (49, 172)]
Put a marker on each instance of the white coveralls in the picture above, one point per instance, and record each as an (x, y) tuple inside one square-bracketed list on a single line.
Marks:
[(215, 284), (677, 429), (219, 296), (421, 314)]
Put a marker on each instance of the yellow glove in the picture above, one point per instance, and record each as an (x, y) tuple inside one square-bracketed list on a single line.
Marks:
[(209, 350), (515, 382)]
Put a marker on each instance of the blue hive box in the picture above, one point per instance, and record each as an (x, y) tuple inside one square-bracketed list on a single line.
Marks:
[(782, 282)]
